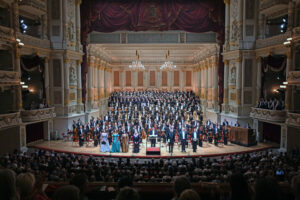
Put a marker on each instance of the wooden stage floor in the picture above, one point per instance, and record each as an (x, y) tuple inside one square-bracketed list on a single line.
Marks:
[(205, 151)]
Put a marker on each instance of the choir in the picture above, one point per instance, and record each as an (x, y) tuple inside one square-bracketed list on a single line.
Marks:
[(157, 116)]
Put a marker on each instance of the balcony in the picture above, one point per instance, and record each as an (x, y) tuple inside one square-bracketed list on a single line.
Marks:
[(271, 6), (296, 34), (8, 120), (37, 7), (294, 78), (9, 78), (33, 41), (38, 114), (293, 119), (268, 115), (271, 41), (6, 33)]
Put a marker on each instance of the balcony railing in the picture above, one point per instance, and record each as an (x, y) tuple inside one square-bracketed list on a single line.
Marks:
[(9, 78), (6, 33), (268, 115), (37, 114), (34, 6), (274, 40), (8, 120), (33, 41), (293, 119), (294, 77)]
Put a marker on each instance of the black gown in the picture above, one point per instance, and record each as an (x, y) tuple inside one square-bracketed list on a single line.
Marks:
[(136, 143)]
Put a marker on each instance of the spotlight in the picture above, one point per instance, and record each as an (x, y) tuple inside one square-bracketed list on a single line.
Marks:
[(289, 39), (24, 86), (22, 83), (285, 83), (18, 40), (282, 86)]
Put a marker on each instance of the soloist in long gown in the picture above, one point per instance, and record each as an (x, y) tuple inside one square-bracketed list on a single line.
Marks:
[(104, 144), (115, 147)]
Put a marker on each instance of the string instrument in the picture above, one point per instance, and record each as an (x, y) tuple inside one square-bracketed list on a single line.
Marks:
[(143, 134), (75, 135)]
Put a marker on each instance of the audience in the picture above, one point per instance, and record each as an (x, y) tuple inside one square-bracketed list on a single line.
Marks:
[(271, 104), (238, 170)]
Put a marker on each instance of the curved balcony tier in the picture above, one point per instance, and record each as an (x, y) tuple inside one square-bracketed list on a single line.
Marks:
[(38, 114), (9, 78), (294, 78), (268, 115), (10, 119)]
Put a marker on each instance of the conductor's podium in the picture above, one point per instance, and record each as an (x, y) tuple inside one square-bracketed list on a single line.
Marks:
[(243, 136), (153, 151)]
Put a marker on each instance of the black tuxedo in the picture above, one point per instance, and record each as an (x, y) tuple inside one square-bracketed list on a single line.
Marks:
[(171, 139), (195, 137), (183, 139), (153, 135)]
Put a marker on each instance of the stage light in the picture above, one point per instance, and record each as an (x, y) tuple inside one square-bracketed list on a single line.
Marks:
[(282, 86), (24, 86), (18, 40), (289, 39), (22, 83), (285, 83)]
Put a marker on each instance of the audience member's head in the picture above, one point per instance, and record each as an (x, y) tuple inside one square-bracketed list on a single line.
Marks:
[(25, 185), (296, 186), (81, 182), (8, 185), (181, 183), (68, 192), (239, 187), (267, 188), (128, 193), (125, 181), (189, 194)]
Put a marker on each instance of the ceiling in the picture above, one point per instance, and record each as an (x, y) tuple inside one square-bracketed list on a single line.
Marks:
[(153, 53)]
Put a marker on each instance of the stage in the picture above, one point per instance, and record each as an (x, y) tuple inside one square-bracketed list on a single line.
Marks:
[(206, 151)]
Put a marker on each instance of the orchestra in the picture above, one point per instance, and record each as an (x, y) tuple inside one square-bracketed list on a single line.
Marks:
[(154, 116)]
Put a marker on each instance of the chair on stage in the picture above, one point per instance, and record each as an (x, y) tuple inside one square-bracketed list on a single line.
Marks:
[(65, 137), (75, 140)]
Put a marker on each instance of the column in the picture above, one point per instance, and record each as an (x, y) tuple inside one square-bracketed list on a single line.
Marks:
[(102, 79), (239, 74), (99, 80), (90, 83), (291, 11), (44, 27), (258, 79), (66, 83), (206, 82), (65, 23), (47, 84), (16, 24), (19, 102), (288, 92), (226, 74), (215, 85), (202, 81), (261, 25), (199, 79), (78, 44), (95, 75), (79, 87), (227, 23)]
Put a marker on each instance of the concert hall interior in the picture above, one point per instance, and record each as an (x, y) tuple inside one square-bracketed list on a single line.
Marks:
[(149, 99)]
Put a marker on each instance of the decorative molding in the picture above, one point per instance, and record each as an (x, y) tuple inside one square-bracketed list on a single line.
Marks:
[(8, 120), (38, 114), (272, 41), (9, 78), (33, 41), (293, 119), (268, 115), (294, 77)]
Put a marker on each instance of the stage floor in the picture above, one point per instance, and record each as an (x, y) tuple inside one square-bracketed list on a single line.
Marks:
[(205, 151)]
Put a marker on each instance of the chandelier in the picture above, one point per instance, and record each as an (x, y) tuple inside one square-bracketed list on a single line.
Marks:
[(168, 65), (137, 64)]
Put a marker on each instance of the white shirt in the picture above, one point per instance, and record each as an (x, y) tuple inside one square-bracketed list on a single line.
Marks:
[(183, 135)]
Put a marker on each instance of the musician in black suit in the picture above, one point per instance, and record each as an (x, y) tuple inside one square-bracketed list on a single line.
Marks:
[(225, 135), (171, 138), (183, 139), (81, 134), (153, 135), (195, 137)]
